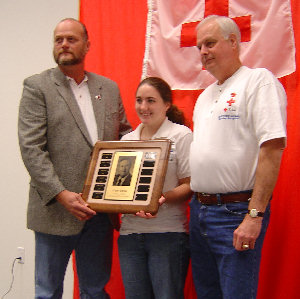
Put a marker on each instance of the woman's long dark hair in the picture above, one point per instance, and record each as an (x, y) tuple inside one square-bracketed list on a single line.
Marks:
[(174, 114)]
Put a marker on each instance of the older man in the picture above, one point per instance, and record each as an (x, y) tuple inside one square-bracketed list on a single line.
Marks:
[(63, 112), (239, 136), (123, 178)]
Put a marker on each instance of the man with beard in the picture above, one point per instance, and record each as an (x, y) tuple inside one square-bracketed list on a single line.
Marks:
[(63, 112)]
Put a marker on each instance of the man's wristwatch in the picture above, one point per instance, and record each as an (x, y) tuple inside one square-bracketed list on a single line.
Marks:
[(254, 213)]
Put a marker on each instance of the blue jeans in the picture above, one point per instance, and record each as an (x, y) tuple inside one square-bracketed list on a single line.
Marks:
[(219, 270), (154, 265), (93, 251)]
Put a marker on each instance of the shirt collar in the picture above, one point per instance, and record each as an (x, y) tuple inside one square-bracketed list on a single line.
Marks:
[(85, 79)]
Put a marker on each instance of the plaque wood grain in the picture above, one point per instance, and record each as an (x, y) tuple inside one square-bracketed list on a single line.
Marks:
[(148, 170)]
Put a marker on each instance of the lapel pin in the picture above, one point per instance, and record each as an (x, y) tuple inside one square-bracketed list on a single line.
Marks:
[(98, 97)]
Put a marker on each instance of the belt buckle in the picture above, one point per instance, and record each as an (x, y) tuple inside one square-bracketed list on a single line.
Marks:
[(204, 194)]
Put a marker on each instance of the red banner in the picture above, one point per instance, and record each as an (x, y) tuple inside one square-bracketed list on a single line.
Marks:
[(117, 31)]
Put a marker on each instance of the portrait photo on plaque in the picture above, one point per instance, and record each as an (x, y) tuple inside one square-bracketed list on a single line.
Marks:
[(123, 175)]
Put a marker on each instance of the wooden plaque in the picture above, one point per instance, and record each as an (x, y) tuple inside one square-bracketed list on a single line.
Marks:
[(126, 176)]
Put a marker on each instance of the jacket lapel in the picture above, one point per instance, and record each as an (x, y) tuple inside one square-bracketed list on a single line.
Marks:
[(95, 87), (65, 91)]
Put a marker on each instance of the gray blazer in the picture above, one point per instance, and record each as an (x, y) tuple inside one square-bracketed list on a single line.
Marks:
[(56, 146)]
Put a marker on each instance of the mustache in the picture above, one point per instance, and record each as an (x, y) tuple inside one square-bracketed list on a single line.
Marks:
[(65, 52)]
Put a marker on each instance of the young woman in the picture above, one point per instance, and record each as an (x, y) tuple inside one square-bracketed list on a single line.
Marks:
[(154, 250)]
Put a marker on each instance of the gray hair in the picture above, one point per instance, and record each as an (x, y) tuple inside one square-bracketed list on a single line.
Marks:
[(227, 26)]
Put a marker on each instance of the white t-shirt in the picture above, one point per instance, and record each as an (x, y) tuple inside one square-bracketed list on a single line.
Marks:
[(231, 121), (170, 217)]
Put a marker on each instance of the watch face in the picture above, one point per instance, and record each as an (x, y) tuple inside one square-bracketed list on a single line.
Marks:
[(253, 213)]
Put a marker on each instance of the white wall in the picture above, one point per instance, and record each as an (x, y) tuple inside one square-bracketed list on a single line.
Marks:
[(26, 28)]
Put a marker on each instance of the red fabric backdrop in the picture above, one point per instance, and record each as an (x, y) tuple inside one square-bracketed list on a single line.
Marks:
[(117, 33)]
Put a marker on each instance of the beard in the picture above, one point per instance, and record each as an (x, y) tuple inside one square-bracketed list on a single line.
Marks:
[(72, 60)]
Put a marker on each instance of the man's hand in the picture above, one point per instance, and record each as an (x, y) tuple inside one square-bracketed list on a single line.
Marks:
[(265, 179), (74, 203), (247, 233)]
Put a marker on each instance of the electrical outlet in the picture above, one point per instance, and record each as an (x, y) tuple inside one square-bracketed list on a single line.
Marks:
[(21, 255)]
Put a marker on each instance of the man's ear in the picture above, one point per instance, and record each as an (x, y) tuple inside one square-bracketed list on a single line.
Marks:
[(233, 40), (88, 45)]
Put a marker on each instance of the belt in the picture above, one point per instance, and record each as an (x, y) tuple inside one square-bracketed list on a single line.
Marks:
[(222, 198)]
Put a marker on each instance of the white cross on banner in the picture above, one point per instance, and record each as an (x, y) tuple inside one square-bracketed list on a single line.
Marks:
[(171, 52)]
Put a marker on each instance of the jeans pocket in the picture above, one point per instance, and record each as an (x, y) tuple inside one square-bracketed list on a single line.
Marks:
[(237, 208)]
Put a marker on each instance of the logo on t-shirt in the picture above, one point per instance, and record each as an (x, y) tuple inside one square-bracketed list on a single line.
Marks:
[(230, 109)]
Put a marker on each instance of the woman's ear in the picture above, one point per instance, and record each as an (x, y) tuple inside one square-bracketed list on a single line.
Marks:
[(168, 106)]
